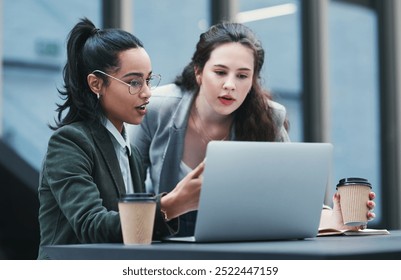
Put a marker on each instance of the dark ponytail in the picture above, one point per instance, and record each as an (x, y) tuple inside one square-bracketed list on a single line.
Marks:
[(89, 49)]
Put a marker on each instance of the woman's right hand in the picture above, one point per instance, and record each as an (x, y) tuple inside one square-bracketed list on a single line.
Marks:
[(185, 196)]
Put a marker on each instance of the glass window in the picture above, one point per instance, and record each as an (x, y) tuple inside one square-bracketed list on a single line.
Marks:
[(169, 32), (33, 58), (354, 94)]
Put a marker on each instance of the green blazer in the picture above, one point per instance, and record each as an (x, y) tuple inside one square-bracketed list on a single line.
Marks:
[(79, 187)]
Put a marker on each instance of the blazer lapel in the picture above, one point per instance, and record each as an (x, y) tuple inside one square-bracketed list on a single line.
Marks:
[(175, 145), (106, 149)]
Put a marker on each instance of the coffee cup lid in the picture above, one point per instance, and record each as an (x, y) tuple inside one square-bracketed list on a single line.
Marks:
[(137, 197), (353, 181)]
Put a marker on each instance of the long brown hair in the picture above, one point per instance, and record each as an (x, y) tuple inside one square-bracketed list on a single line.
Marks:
[(253, 119)]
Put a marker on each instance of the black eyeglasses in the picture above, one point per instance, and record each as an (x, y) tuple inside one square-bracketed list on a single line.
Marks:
[(136, 85)]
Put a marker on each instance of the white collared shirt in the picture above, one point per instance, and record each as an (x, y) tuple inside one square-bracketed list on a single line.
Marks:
[(121, 145)]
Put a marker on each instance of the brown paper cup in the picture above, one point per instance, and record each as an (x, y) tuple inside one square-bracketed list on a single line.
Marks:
[(354, 193), (137, 215)]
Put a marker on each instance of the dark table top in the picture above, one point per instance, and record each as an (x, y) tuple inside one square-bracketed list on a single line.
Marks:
[(329, 247)]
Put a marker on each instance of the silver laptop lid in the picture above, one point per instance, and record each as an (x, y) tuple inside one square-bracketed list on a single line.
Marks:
[(262, 190)]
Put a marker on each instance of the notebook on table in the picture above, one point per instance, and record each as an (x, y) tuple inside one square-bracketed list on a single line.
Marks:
[(255, 191)]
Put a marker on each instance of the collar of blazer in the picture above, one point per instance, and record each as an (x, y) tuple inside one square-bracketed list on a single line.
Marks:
[(105, 147)]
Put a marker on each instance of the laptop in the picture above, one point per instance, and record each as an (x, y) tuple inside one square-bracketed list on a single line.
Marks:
[(255, 191)]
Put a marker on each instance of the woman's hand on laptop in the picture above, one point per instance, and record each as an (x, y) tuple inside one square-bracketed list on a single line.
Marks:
[(334, 219), (185, 196)]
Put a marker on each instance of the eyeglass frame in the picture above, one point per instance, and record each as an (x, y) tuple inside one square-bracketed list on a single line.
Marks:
[(145, 81)]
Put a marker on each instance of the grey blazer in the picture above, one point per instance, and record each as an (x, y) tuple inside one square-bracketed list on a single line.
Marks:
[(80, 184), (160, 137)]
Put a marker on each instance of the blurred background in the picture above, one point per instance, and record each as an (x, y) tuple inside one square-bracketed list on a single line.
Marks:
[(334, 64)]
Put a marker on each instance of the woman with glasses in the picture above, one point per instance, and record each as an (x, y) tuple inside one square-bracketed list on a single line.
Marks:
[(89, 162), (218, 96)]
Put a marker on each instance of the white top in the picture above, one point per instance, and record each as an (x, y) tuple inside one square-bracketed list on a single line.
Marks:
[(123, 150)]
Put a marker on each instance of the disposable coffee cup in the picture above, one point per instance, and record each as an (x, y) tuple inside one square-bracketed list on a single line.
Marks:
[(137, 215), (354, 193)]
